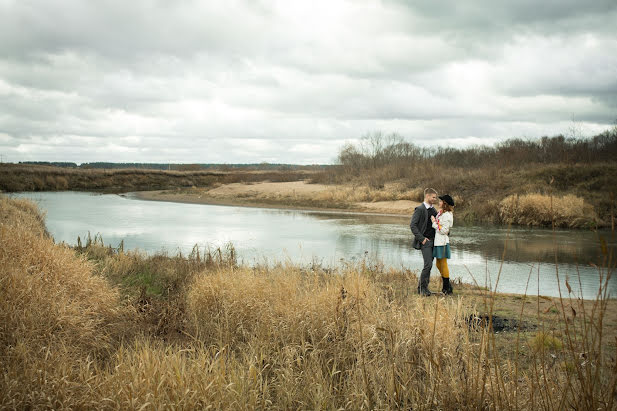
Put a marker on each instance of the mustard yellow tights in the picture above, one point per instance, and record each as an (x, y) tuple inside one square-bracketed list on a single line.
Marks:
[(442, 266)]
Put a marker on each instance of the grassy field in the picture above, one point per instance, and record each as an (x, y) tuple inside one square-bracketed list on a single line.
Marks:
[(96, 327), (29, 177)]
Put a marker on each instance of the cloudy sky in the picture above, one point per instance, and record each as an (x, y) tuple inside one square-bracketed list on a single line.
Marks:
[(291, 81)]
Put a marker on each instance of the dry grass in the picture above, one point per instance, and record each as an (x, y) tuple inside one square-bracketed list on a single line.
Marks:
[(538, 209), (295, 194), (478, 190), (100, 328), (22, 213), (364, 193), (320, 341), (53, 311), (21, 177)]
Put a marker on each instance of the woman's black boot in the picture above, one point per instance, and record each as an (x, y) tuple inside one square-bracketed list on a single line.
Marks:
[(447, 288)]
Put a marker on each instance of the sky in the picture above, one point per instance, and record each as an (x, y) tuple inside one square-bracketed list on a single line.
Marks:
[(292, 81)]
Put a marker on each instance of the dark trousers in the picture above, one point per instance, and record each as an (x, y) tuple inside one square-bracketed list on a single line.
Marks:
[(427, 256)]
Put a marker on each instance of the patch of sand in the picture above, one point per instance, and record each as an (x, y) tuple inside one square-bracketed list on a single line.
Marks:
[(294, 194), (394, 207), (284, 189)]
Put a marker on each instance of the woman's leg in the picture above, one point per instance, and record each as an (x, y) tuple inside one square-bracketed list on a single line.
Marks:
[(442, 265), (438, 264)]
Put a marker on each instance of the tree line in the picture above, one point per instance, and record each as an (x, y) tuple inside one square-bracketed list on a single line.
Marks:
[(377, 150), (167, 166)]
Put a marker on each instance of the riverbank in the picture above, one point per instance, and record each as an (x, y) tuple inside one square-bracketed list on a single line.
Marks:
[(563, 195), (289, 195), (568, 211), (552, 181), (96, 327)]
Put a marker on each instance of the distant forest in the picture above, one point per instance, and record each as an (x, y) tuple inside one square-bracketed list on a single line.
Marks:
[(379, 150), (170, 166), (376, 151)]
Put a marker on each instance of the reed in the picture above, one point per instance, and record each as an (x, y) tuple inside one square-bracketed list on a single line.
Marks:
[(536, 209), (98, 327)]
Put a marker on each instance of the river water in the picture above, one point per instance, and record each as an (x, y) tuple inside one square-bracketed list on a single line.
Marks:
[(479, 253)]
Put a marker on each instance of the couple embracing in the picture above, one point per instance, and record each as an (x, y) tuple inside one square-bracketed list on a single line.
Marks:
[(431, 229)]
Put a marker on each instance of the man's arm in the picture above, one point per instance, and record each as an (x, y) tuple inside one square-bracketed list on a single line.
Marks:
[(414, 225)]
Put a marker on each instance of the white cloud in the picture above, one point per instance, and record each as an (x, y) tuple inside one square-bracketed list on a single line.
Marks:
[(281, 81)]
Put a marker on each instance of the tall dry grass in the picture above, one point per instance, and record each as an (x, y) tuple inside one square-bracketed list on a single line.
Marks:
[(54, 313), (541, 210), (82, 329), (22, 213), (365, 193), (317, 341)]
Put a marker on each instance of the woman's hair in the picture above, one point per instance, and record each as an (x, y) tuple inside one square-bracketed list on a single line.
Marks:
[(446, 207)]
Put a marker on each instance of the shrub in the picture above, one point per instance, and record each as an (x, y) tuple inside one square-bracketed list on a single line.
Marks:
[(62, 183), (544, 341), (54, 312), (22, 213), (539, 209)]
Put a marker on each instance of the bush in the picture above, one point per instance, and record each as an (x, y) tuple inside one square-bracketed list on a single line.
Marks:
[(539, 209), (54, 313)]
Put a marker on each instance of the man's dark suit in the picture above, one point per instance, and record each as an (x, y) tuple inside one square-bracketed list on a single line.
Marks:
[(419, 223)]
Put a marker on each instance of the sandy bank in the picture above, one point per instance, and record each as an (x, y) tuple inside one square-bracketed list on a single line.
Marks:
[(294, 195)]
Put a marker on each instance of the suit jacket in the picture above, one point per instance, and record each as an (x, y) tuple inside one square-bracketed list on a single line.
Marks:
[(418, 224)]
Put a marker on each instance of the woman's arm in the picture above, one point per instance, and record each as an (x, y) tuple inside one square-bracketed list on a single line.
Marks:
[(444, 224)]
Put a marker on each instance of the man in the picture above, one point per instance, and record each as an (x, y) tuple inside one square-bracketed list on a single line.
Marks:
[(424, 236)]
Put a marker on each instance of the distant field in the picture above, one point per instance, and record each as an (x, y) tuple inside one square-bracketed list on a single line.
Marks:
[(28, 177)]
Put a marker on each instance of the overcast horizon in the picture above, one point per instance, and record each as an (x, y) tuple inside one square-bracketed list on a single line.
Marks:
[(291, 82)]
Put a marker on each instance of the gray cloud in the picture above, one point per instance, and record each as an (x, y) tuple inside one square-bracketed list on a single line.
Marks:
[(246, 81)]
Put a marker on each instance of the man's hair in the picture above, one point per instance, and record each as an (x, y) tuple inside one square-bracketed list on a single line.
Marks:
[(429, 191)]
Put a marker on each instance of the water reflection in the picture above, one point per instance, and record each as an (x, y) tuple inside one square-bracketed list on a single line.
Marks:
[(327, 238), (520, 244)]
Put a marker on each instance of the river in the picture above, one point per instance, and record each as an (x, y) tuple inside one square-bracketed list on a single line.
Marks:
[(479, 253)]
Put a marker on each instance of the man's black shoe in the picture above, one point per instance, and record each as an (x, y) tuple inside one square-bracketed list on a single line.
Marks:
[(424, 292)]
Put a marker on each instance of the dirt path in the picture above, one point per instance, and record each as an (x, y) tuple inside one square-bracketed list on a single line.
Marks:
[(295, 194)]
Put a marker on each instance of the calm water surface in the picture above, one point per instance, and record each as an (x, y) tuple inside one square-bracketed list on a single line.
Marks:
[(268, 235)]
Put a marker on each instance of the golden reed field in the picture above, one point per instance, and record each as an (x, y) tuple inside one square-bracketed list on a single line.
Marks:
[(95, 327)]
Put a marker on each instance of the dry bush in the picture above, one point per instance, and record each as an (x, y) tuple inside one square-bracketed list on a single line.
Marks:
[(50, 182), (243, 305), (50, 298), (539, 209), (62, 183), (53, 311), (22, 213)]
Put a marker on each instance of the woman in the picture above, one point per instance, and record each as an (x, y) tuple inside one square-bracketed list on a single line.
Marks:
[(441, 250)]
